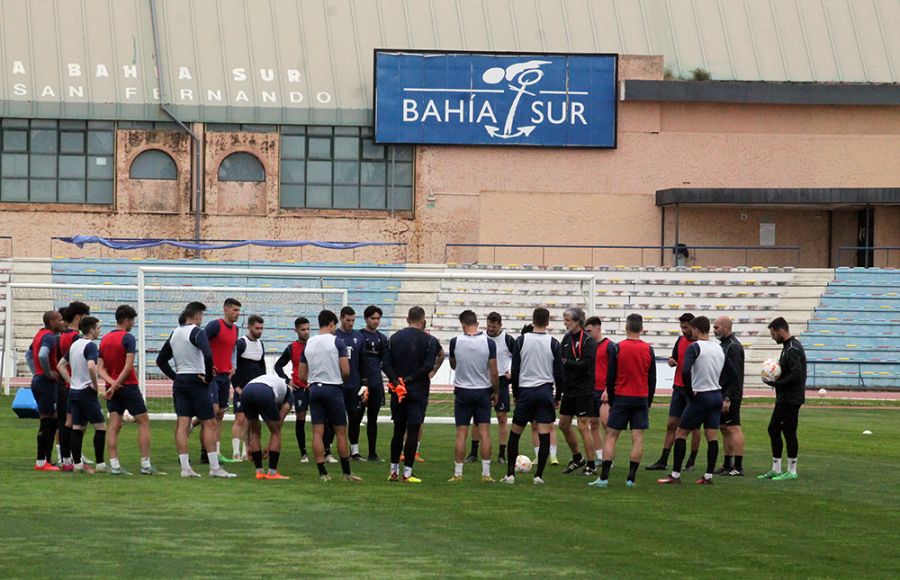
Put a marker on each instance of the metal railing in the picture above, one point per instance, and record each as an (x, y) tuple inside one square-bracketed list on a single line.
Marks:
[(675, 251), (880, 256), (858, 382)]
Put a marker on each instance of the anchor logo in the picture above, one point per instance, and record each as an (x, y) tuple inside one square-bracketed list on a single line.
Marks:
[(524, 74)]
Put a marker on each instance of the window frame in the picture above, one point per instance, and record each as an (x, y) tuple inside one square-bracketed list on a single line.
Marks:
[(152, 150)]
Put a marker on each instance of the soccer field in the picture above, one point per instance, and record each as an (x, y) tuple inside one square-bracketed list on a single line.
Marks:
[(840, 519)]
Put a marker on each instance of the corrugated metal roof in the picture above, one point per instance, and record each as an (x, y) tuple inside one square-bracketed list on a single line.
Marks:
[(310, 61)]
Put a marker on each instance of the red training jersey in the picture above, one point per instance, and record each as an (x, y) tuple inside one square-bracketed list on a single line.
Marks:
[(114, 347), (64, 343), (681, 346), (296, 352), (633, 368), (601, 365), (36, 349), (222, 346)]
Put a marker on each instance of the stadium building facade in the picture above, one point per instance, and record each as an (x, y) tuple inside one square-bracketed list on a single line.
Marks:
[(257, 120)]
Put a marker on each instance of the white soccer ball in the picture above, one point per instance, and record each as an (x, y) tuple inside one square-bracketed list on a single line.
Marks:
[(822, 392), (867, 432), (523, 464), (127, 418), (770, 370)]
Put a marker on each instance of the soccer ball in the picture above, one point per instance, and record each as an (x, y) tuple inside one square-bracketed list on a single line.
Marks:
[(127, 417), (771, 370), (822, 392), (523, 464)]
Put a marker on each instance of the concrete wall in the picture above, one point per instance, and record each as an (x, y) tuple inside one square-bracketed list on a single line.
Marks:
[(524, 195)]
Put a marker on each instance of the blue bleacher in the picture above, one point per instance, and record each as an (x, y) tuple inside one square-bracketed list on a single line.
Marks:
[(853, 339)]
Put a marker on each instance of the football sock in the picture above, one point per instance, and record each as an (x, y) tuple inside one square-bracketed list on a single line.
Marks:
[(218, 447), (604, 469), (76, 442), (632, 470), (236, 446), (485, 468), (300, 433), (273, 461), (712, 455), (729, 462), (792, 465), (114, 463), (99, 445), (418, 445), (184, 460), (145, 463), (354, 449), (65, 434), (257, 459), (457, 469), (776, 464), (552, 449), (395, 468), (543, 453), (59, 454), (591, 464), (407, 471), (664, 457), (576, 457), (214, 461), (321, 467), (51, 435), (513, 446), (598, 454), (536, 451), (474, 451), (43, 428), (372, 428), (680, 449), (345, 465), (409, 450), (693, 458), (739, 462), (502, 454)]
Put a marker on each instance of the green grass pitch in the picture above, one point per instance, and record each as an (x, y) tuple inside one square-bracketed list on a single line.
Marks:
[(840, 519)]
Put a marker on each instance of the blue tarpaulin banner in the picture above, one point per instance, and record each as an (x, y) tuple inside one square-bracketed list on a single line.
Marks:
[(138, 244), (541, 100)]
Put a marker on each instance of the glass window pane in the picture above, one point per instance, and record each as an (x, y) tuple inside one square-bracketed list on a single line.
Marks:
[(318, 172), (223, 127), (153, 164), (242, 167), (71, 191), (293, 130), (101, 125), (346, 148), (43, 190), (71, 166), (293, 146), (14, 165), (346, 197), (72, 124), (318, 196), (373, 173), (43, 124), (42, 165), (100, 191), (365, 131), (15, 140), (346, 172), (71, 142), (100, 143), (14, 190), (399, 173), (401, 198), (319, 148), (346, 131), (20, 123), (371, 150), (100, 167), (373, 197), (259, 128), (400, 153), (292, 196), (318, 130), (293, 171), (43, 141)]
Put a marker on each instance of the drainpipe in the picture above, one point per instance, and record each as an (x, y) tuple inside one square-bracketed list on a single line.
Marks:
[(197, 165)]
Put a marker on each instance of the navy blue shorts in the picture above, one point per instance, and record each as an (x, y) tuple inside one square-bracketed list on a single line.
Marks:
[(127, 398), (192, 398), (326, 403), (45, 391), (258, 400), (535, 404), (472, 405), (85, 407), (597, 404), (703, 408), (301, 400), (219, 389), (629, 411), (578, 406), (502, 405), (351, 398), (412, 410), (679, 402)]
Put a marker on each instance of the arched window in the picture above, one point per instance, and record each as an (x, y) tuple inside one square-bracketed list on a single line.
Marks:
[(241, 167), (153, 164)]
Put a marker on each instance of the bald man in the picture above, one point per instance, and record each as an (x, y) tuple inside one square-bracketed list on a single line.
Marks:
[(732, 393)]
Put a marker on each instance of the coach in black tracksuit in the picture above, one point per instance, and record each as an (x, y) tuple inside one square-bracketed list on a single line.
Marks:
[(790, 394), (579, 353)]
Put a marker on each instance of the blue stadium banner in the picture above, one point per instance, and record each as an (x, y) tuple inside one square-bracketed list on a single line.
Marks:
[(466, 98)]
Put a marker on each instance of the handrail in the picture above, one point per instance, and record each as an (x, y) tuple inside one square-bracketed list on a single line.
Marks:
[(886, 249)]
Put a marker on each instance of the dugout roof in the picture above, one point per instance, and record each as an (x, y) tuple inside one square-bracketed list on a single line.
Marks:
[(311, 61), (841, 196)]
